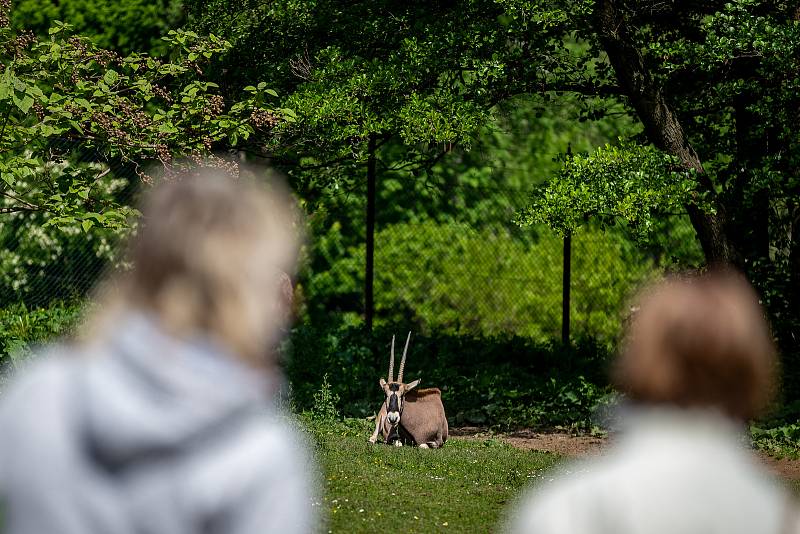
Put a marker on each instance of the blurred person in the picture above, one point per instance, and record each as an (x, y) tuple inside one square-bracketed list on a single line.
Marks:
[(160, 421), (697, 362)]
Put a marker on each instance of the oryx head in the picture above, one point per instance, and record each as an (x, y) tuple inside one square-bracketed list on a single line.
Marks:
[(396, 390)]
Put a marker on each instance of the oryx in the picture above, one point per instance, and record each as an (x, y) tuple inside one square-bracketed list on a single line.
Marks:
[(409, 415)]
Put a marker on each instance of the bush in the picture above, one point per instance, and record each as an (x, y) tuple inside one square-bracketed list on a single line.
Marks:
[(456, 279), (41, 262), (323, 409), (122, 25), (21, 328), (780, 441)]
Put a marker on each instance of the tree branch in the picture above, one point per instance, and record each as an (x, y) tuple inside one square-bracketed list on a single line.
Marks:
[(661, 123)]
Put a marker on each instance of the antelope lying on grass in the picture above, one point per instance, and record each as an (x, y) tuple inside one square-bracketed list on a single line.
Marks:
[(409, 415)]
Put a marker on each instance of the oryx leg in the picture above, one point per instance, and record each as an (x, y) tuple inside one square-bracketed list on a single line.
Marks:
[(392, 437), (379, 420)]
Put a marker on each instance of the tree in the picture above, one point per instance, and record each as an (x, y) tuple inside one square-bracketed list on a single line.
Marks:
[(422, 74), (80, 126), (372, 79), (715, 85)]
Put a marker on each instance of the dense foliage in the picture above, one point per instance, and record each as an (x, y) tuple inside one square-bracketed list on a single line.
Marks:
[(713, 84), (124, 26), (23, 329), (500, 381), (64, 95), (454, 278), (80, 128), (440, 231)]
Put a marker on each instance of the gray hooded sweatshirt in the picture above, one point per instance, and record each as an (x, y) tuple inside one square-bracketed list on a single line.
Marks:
[(148, 434)]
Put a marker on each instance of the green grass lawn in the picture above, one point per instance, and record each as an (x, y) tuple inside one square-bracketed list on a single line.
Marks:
[(463, 487)]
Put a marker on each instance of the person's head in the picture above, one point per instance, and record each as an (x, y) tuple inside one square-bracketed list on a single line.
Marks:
[(210, 259), (699, 341)]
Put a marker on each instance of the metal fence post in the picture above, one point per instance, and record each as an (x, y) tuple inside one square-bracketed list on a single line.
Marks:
[(369, 303), (565, 287), (566, 278)]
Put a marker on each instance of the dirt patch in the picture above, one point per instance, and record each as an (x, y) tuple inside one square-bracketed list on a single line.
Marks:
[(564, 444), (581, 446), (783, 467)]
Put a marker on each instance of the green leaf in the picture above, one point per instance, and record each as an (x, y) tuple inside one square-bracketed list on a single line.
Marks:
[(45, 130), (24, 104), (167, 127), (19, 85), (77, 127), (111, 77), (86, 224)]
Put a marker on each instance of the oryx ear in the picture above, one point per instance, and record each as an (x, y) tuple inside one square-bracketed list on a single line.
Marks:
[(412, 385), (382, 383)]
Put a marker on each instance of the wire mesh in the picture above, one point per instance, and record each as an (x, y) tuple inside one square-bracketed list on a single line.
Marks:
[(454, 273), (42, 263), (483, 278)]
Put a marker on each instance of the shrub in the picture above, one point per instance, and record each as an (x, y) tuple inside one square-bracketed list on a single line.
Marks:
[(41, 262), (457, 279), (324, 410), (22, 328)]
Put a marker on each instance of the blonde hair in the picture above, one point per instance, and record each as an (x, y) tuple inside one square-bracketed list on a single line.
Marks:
[(699, 340), (210, 259)]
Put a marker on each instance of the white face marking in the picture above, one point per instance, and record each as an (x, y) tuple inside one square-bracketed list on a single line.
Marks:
[(393, 417)]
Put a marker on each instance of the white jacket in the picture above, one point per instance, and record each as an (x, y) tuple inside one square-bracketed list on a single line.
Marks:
[(149, 435), (672, 472)]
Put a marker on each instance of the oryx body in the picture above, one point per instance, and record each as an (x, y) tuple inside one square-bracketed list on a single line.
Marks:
[(408, 415)]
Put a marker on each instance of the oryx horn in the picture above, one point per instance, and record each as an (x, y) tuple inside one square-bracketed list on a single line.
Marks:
[(391, 364), (403, 360)]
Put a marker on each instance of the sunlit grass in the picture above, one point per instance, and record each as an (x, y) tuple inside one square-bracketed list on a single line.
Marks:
[(463, 487)]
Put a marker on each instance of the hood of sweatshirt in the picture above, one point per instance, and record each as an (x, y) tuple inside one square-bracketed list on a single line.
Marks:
[(148, 394)]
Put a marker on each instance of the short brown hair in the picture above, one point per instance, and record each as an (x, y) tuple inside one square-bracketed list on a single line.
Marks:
[(699, 340)]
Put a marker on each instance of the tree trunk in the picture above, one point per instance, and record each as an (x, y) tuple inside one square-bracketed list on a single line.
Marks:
[(662, 127), (794, 258)]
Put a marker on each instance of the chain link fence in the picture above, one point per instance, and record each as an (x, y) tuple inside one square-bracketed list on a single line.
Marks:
[(41, 263), (470, 277), (458, 273)]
